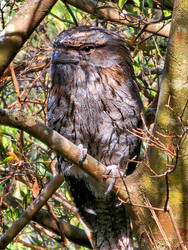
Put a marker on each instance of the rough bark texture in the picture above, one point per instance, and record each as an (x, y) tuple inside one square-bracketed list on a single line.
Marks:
[(171, 123)]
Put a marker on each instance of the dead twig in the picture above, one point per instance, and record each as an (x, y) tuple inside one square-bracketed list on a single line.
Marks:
[(62, 234), (71, 13), (159, 225), (16, 85), (28, 244), (176, 229)]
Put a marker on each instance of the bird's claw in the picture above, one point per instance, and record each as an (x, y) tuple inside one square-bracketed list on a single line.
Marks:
[(114, 170), (83, 154)]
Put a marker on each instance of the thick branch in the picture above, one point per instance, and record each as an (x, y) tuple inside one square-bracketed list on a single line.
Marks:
[(42, 217), (24, 219), (58, 143), (113, 15), (164, 4), (20, 28), (72, 233), (171, 122)]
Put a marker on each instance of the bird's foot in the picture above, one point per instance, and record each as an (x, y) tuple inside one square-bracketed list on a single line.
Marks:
[(83, 154), (115, 173)]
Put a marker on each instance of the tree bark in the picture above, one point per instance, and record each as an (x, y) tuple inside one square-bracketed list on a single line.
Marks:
[(113, 15), (171, 124)]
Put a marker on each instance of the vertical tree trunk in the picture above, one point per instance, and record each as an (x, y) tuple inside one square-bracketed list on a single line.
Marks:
[(164, 224), (171, 129)]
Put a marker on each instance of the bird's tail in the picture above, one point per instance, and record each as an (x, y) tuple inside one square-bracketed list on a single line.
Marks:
[(105, 217), (111, 227)]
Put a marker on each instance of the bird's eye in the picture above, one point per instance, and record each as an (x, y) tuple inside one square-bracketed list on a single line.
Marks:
[(88, 49)]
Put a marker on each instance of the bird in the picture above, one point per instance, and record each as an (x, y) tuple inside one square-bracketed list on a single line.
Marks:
[(94, 102)]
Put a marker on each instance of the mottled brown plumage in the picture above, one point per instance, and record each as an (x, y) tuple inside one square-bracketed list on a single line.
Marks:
[(94, 101)]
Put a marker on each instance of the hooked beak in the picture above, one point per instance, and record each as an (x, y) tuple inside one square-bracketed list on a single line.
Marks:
[(64, 59)]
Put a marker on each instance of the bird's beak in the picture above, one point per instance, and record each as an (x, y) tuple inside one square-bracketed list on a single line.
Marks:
[(64, 59)]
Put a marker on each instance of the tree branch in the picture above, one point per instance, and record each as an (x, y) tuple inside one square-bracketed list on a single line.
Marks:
[(137, 184), (20, 28), (164, 4), (35, 206), (74, 234), (111, 14), (171, 120), (59, 144)]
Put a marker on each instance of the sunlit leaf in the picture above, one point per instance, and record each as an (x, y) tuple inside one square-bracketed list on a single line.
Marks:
[(122, 3), (138, 2), (7, 159), (5, 141)]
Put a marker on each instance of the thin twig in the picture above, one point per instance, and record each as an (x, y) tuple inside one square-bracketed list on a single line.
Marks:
[(62, 234), (43, 230), (61, 19), (140, 32), (159, 224), (176, 228), (184, 109), (71, 13), (143, 206), (121, 176), (15, 81), (29, 245)]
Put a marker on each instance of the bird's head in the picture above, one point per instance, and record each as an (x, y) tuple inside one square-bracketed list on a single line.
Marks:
[(87, 45)]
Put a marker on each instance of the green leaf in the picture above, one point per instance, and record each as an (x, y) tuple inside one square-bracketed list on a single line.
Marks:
[(150, 3), (5, 142), (138, 2), (121, 3), (7, 159)]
